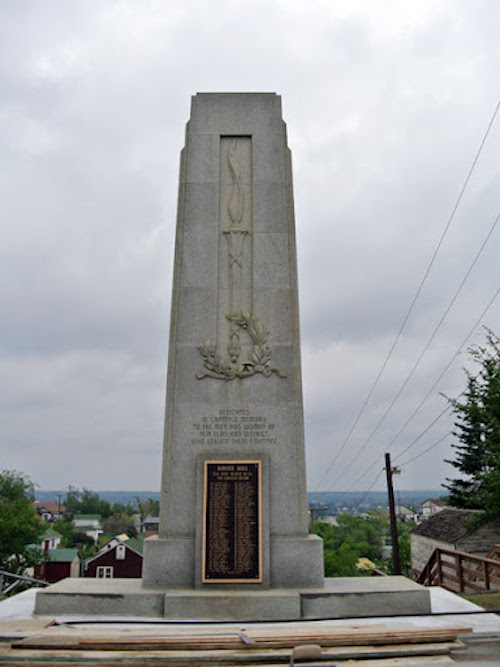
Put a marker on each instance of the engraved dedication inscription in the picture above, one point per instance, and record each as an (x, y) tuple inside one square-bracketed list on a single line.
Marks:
[(232, 545)]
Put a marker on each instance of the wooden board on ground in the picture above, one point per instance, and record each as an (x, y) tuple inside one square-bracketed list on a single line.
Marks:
[(230, 658), (251, 639), (16, 628)]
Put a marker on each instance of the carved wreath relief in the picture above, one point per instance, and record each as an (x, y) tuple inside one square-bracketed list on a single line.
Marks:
[(241, 321)]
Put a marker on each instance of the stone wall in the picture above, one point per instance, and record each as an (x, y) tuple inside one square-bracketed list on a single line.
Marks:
[(422, 548)]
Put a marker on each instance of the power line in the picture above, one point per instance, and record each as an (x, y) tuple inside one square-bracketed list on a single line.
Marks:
[(446, 409), (438, 442), (368, 490), (441, 414), (445, 370), (417, 456), (417, 294), (421, 435), (426, 430), (426, 346)]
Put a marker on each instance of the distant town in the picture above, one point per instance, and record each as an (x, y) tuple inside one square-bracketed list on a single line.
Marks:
[(332, 502)]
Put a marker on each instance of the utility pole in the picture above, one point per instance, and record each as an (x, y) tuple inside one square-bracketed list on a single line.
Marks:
[(312, 512), (392, 512)]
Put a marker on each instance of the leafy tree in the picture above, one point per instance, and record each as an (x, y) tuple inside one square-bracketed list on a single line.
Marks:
[(66, 528), (367, 534), (119, 523), (20, 528), (122, 508), (148, 507), (86, 502), (404, 530), (477, 428), (351, 539), (80, 539), (84, 543), (342, 561), (355, 538), (72, 538)]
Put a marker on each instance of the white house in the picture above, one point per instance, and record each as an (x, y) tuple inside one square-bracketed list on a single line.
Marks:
[(430, 507), (90, 524), (51, 539)]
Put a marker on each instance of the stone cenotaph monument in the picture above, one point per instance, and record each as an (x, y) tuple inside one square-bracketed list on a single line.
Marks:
[(233, 501), (233, 540)]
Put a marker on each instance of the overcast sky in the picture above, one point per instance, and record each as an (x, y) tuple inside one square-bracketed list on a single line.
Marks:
[(386, 104)]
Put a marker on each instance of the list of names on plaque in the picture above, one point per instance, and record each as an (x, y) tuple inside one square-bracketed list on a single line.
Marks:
[(232, 545)]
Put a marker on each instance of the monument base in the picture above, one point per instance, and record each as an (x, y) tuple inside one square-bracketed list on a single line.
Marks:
[(343, 597), (168, 563), (295, 562), (231, 605), (356, 597)]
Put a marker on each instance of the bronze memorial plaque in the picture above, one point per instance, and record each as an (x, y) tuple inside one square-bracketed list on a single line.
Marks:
[(232, 544)]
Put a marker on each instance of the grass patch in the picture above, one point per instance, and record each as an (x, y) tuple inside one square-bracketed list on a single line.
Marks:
[(484, 600)]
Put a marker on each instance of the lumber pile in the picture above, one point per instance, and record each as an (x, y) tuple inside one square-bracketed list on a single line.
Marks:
[(264, 645)]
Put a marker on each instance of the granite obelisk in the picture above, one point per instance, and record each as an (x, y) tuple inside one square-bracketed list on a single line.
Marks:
[(233, 501), (233, 541)]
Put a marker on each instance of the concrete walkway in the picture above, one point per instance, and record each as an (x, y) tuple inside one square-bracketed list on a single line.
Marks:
[(461, 613), (21, 606)]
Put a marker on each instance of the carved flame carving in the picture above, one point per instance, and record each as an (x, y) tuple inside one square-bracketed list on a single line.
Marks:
[(235, 204), (240, 321)]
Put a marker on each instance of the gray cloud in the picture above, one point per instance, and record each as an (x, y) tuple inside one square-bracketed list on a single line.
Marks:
[(385, 104)]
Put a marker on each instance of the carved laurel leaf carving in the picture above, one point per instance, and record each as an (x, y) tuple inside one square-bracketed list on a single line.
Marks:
[(217, 367)]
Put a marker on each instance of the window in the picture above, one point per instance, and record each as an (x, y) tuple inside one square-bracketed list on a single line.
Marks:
[(104, 572), (120, 552)]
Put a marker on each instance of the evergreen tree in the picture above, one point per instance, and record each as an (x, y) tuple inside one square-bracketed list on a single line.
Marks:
[(477, 428)]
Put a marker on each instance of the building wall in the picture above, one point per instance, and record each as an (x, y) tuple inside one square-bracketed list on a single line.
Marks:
[(51, 543), (87, 523), (427, 508), (38, 571), (129, 568), (55, 571), (422, 548), (75, 568)]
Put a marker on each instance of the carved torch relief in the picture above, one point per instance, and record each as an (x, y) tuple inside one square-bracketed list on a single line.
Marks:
[(243, 325)]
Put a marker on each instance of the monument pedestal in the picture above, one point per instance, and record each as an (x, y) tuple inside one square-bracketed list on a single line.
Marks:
[(295, 563), (345, 597)]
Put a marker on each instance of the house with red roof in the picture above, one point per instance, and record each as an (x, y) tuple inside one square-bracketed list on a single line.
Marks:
[(49, 511)]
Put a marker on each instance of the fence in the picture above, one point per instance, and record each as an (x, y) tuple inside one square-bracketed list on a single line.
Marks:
[(18, 578), (461, 572)]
